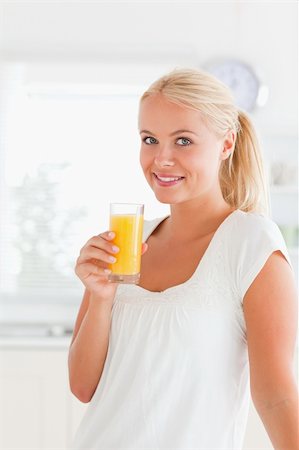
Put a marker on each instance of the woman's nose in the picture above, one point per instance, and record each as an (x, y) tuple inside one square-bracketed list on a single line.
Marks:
[(164, 157)]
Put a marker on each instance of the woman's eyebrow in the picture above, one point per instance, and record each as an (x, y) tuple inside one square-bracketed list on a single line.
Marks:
[(171, 134)]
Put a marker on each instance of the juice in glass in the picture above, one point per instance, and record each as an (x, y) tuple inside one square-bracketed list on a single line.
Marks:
[(126, 220)]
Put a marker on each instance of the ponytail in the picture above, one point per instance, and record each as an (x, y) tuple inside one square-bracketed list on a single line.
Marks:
[(242, 176)]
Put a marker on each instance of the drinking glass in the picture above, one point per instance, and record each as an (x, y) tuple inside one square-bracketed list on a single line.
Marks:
[(126, 220)]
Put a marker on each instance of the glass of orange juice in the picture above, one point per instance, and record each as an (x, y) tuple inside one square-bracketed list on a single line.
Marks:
[(126, 220)]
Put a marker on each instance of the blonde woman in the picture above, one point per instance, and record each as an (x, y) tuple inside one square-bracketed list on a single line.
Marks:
[(171, 363)]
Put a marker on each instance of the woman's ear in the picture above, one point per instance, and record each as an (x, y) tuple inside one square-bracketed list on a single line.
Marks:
[(228, 144)]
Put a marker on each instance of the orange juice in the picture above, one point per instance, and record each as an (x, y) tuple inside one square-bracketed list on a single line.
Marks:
[(128, 230)]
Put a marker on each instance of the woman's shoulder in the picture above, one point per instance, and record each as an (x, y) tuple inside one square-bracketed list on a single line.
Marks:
[(254, 238), (256, 233), (253, 223)]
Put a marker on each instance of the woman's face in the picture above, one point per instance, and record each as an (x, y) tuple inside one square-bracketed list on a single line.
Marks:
[(180, 156)]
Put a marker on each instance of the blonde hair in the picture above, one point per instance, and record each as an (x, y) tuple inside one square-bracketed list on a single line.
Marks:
[(242, 177)]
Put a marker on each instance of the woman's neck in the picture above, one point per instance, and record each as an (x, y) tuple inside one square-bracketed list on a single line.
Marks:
[(189, 222)]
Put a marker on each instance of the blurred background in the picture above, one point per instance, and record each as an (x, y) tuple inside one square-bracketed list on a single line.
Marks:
[(71, 74)]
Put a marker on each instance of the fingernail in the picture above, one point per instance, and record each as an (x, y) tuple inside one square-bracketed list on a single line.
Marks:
[(115, 249), (112, 259), (107, 271), (111, 234)]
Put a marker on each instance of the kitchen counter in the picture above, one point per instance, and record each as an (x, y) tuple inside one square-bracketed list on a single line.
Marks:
[(36, 326), (35, 343)]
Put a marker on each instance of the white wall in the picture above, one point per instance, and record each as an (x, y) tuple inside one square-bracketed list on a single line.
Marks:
[(192, 33)]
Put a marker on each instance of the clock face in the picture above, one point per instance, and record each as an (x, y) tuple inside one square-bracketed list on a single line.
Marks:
[(242, 81)]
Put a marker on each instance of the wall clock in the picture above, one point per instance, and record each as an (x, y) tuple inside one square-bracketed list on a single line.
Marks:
[(243, 81)]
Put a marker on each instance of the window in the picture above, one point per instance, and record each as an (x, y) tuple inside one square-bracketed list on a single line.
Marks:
[(69, 150)]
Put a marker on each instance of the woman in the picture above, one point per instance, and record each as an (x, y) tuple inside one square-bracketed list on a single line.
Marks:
[(165, 364)]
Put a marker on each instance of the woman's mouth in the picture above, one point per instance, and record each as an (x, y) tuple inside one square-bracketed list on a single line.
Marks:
[(167, 180)]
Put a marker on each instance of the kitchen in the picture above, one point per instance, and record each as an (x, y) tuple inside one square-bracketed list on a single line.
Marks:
[(67, 71)]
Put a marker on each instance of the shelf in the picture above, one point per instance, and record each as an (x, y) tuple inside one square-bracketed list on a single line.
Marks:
[(59, 343), (283, 189), (293, 251)]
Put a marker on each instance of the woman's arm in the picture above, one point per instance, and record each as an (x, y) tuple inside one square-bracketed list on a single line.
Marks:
[(270, 309), (89, 346), (88, 349)]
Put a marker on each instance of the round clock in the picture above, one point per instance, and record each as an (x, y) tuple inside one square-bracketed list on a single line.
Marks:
[(243, 82)]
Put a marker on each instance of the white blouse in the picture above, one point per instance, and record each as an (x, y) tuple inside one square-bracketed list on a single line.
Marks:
[(176, 375)]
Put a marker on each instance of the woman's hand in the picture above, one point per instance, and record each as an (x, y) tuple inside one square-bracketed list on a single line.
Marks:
[(93, 262)]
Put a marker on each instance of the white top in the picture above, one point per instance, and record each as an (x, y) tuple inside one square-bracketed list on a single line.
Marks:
[(176, 374)]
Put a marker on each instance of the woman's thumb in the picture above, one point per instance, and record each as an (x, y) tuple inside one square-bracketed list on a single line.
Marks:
[(144, 248)]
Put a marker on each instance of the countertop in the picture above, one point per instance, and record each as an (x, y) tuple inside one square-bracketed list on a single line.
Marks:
[(35, 343)]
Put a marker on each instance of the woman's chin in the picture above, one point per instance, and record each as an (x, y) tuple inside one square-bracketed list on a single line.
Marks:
[(167, 199)]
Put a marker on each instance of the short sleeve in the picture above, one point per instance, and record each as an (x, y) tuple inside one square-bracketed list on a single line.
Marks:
[(260, 237), (150, 225)]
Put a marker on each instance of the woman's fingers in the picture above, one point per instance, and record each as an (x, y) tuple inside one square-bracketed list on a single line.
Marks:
[(96, 253), (102, 241), (92, 265), (84, 271)]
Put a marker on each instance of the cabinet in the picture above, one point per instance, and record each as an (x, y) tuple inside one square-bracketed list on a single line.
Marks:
[(37, 410)]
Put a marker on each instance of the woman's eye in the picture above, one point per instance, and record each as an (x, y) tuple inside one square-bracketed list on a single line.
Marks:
[(150, 140), (183, 141)]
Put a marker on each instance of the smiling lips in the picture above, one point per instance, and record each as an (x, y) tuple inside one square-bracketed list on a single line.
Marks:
[(167, 179)]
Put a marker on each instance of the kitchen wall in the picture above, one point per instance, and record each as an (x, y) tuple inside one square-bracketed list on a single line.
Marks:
[(123, 35), (262, 34)]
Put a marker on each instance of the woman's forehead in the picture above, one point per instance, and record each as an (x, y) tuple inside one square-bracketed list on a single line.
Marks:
[(154, 109)]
